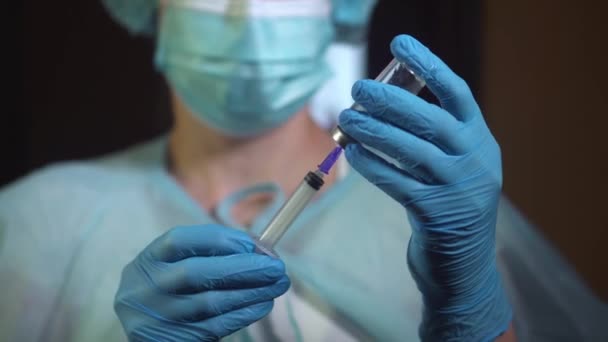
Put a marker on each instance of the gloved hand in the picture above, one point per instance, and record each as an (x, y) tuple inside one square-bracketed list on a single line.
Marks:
[(197, 283), (449, 179)]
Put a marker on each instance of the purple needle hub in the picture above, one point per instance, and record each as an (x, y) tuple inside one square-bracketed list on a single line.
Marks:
[(330, 160)]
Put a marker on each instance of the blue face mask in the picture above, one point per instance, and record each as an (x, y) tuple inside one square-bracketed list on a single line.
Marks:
[(245, 67)]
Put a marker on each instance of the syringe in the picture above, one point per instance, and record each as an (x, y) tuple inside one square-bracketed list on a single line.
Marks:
[(308, 188), (396, 73)]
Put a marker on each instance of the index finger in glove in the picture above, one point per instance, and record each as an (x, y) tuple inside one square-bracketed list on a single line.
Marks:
[(196, 274), (409, 112), (207, 240), (451, 90)]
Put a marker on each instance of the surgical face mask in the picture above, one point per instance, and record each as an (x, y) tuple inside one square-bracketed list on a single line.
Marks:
[(244, 67)]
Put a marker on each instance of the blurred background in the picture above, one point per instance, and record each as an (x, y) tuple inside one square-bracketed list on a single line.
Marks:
[(538, 69)]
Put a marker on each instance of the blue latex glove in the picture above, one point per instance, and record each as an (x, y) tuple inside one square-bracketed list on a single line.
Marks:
[(449, 180), (197, 284)]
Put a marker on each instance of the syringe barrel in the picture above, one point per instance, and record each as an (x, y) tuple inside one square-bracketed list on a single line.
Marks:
[(395, 73), (291, 209)]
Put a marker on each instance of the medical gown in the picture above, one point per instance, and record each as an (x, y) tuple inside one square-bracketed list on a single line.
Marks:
[(67, 230)]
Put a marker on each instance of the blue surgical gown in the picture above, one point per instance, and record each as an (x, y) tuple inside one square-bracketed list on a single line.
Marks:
[(66, 232)]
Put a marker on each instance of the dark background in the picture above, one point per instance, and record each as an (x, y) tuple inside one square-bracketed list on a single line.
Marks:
[(81, 87)]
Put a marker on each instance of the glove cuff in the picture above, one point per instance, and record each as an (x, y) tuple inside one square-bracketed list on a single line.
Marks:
[(484, 320)]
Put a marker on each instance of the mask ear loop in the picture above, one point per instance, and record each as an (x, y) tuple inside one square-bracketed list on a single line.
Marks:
[(223, 212)]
